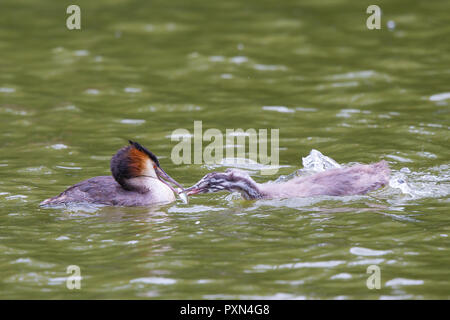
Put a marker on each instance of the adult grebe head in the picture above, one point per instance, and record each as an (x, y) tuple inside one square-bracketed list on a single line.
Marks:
[(133, 165)]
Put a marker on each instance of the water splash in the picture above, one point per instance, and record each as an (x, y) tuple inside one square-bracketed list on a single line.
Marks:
[(313, 163), (430, 183), (317, 162), (398, 181)]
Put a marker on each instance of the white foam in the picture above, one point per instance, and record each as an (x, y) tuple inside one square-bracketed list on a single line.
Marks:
[(359, 251), (281, 109), (403, 282), (440, 96)]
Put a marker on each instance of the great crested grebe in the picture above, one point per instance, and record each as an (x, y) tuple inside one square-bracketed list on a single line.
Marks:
[(137, 180), (355, 180)]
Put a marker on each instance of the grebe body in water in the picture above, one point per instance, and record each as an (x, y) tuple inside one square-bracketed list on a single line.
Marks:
[(137, 180), (354, 180)]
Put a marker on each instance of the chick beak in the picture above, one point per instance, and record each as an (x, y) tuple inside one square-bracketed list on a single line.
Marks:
[(166, 179), (192, 190)]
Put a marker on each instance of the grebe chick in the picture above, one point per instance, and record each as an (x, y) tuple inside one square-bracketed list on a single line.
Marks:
[(354, 180), (137, 180)]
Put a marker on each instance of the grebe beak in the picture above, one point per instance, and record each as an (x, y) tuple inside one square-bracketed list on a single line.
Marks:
[(195, 189), (162, 175), (191, 190)]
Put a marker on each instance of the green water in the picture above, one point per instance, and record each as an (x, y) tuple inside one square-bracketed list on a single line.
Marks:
[(141, 69)]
